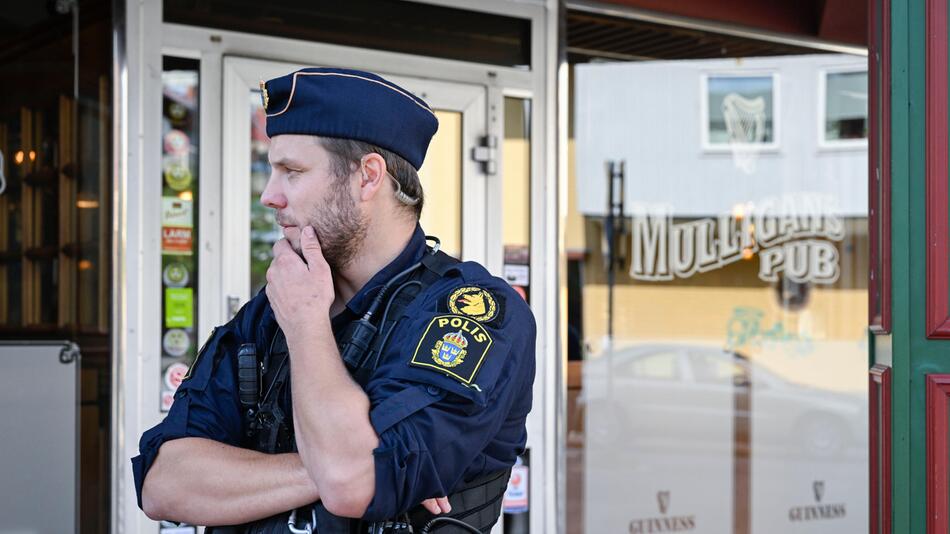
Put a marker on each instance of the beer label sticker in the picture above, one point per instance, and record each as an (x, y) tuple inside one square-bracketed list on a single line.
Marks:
[(179, 307), (175, 274), (176, 240), (176, 342), (177, 212), (174, 375)]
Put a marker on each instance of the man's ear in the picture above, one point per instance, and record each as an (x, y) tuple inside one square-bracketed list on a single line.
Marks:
[(373, 175)]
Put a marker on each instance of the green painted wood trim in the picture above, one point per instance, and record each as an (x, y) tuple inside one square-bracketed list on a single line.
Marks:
[(900, 259)]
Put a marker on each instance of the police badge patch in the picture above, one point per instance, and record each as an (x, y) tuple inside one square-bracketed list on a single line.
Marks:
[(474, 302), (453, 344)]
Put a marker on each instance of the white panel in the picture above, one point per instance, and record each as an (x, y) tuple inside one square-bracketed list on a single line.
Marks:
[(658, 443), (39, 468), (810, 465)]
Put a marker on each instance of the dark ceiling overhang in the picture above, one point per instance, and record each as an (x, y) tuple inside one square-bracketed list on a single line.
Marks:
[(841, 21)]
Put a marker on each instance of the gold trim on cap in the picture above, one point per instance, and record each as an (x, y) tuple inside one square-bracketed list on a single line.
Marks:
[(293, 89)]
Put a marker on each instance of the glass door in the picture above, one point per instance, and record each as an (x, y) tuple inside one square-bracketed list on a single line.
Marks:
[(454, 184)]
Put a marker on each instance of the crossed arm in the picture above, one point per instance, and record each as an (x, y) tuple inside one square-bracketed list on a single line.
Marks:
[(203, 482)]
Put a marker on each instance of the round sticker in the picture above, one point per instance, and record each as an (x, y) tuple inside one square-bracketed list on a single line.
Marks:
[(474, 302), (175, 275), (177, 142), (176, 342), (177, 176), (175, 374), (177, 111)]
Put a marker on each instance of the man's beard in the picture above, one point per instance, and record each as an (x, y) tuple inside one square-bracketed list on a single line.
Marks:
[(340, 227)]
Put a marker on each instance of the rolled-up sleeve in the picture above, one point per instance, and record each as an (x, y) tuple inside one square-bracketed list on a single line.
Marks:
[(206, 405)]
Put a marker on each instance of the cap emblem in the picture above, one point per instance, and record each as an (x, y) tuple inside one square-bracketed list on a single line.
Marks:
[(264, 98)]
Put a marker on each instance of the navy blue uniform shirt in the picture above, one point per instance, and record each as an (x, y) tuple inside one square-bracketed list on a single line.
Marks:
[(448, 400)]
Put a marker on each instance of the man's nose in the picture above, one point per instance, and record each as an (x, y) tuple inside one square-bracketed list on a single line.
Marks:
[(272, 196)]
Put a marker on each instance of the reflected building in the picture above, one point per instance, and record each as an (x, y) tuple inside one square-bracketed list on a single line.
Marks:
[(723, 364)]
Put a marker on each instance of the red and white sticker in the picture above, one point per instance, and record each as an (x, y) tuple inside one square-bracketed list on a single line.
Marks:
[(176, 240), (516, 495), (177, 142), (174, 375)]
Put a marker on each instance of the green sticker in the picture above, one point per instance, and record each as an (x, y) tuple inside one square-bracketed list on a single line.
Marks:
[(179, 307)]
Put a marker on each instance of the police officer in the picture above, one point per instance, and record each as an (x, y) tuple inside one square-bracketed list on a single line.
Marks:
[(373, 373)]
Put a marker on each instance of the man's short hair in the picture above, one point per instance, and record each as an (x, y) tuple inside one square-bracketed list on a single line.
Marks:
[(345, 156)]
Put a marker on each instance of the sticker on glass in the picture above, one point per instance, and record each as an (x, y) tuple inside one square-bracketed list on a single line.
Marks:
[(179, 307), (176, 342), (175, 274), (174, 374), (177, 212)]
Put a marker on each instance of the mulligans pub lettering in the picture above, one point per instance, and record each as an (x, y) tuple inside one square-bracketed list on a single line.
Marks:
[(791, 234)]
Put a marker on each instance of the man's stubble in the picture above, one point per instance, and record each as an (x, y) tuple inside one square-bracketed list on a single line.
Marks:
[(340, 227)]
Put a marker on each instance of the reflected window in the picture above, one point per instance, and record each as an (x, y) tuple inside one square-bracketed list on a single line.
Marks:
[(717, 368), (846, 106), (741, 110), (655, 366)]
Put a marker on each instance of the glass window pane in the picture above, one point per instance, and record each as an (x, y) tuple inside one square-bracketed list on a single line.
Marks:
[(264, 228), (441, 177), (740, 109), (721, 357), (516, 195), (180, 86), (846, 105)]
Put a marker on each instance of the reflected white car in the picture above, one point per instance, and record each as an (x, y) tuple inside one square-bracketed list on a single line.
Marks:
[(684, 396)]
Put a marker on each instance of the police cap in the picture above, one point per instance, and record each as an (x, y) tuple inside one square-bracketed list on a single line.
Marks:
[(349, 104)]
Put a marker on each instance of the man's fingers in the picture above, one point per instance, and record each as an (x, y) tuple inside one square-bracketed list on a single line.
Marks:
[(431, 506), (282, 246), (310, 246), (444, 504)]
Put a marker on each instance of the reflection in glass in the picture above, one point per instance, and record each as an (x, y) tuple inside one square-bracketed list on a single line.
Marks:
[(516, 197), (264, 228), (441, 177), (732, 396), (740, 109), (846, 105)]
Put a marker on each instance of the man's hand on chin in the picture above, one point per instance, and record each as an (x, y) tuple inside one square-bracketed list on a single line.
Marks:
[(299, 291)]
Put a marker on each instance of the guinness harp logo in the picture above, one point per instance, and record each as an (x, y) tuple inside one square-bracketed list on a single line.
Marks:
[(818, 487), (663, 500)]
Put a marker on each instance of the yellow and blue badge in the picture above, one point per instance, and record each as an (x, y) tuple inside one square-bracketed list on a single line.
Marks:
[(473, 302), (453, 344)]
